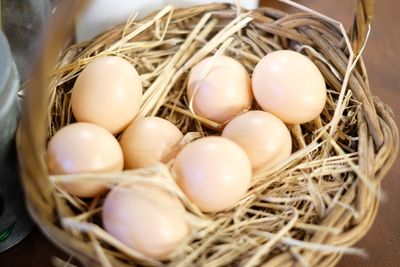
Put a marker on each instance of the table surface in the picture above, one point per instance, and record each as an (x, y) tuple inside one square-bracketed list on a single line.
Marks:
[(382, 60)]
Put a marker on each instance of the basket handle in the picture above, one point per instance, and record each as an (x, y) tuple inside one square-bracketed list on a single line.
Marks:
[(362, 20)]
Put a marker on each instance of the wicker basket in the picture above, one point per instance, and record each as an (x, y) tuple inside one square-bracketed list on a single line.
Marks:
[(308, 210)]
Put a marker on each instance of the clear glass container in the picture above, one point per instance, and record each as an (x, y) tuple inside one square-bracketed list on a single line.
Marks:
[(14, 222), (9, 86), (21, 23)]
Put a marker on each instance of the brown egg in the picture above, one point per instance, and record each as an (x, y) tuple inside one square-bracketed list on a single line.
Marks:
[(264, 137), (148, 140), (220, 87), (290, 86), (214, 173), (145, 218), (108, 93), (82, 148)]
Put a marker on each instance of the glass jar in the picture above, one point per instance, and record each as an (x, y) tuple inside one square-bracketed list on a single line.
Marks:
[(14, 222), (22, 22), (9, 86)]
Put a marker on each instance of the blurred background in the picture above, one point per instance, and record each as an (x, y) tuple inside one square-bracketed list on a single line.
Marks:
[(25, 20)]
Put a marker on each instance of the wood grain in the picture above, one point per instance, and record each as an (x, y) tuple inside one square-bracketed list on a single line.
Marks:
[(382, 60)]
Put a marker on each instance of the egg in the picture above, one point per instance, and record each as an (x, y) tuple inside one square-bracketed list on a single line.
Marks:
[(214, 172), (108, 93), (220, 88), (146, 218), (82, 148), (263, 136), (290, 86), (148, 140)]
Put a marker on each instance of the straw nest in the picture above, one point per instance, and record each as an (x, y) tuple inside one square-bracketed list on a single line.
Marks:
[(307, 210)]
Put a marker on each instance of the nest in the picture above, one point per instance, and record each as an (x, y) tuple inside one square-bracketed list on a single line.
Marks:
[(308, 210)]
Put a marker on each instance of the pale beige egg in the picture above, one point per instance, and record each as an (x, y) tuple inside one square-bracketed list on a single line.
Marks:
[(149, 140), (220, 88), (290, 86), (263, 136), (84, 148), (108, 93), (146, 218), (214, 173)]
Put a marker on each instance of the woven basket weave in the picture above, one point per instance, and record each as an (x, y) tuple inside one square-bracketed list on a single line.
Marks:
[(362, 134)]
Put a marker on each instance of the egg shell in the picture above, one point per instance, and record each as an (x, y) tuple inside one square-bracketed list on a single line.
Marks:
[(148, 140), (82, 148), (263, 136), (146, 218), (220, 88), (214, 172), (290, 86), (108, 93)]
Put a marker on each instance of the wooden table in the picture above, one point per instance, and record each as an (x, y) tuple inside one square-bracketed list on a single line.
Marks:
[(383, 63)]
